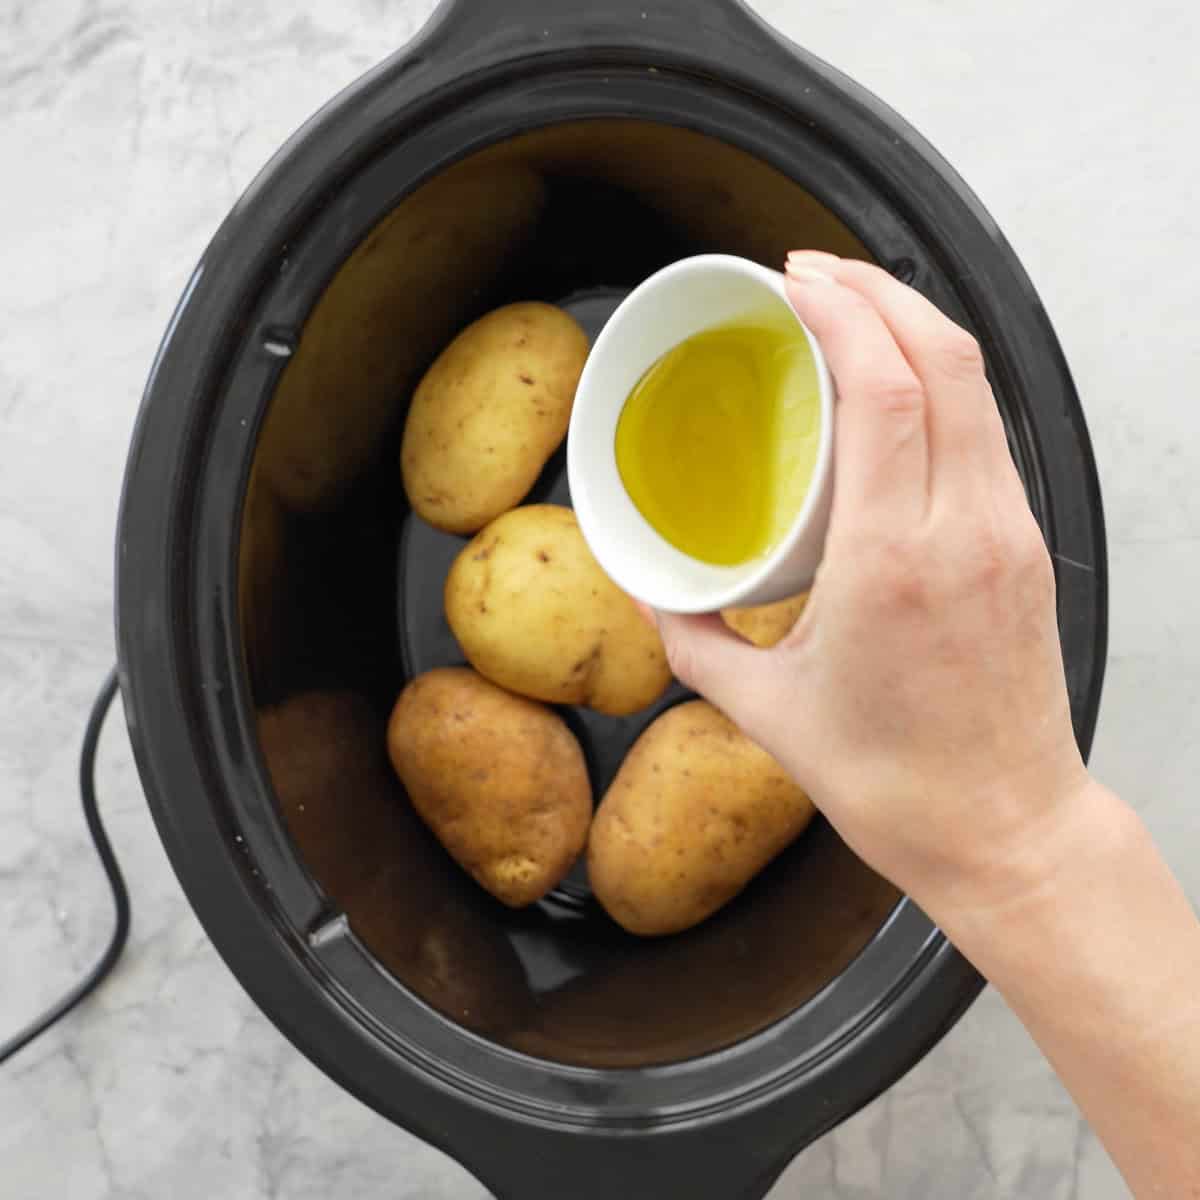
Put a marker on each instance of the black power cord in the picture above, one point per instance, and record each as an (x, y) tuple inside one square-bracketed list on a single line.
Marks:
[(87, 790)]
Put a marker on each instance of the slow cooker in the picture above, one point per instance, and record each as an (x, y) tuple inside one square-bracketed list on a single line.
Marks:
[(274, 593)]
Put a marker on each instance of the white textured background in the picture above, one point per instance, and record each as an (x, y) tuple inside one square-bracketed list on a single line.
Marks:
[(127, 129)]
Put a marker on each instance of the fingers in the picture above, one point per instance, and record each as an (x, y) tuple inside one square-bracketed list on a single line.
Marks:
[(881, 453), (966, 436), (707, 656)]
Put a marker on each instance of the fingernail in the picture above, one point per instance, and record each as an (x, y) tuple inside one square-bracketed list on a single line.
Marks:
[(807, 274), (802, 256)]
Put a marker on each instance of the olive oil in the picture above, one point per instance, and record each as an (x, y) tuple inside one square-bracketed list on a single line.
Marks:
[(717, 442)]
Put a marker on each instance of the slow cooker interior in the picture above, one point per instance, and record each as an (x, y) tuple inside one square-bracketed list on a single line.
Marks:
[(340, 594)]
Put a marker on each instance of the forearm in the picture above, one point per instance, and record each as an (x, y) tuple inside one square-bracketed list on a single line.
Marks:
[(1098, 952)]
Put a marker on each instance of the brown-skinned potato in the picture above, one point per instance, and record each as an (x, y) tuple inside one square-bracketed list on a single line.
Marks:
[(766, 625), (695, 812), (488, 414), (533, 612), (499, 779)]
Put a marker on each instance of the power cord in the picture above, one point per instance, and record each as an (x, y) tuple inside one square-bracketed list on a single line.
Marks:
[(87, 790)]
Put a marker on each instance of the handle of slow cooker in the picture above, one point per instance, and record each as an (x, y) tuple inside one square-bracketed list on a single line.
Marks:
[(487, 28), (617, 1185), (700, 1163)]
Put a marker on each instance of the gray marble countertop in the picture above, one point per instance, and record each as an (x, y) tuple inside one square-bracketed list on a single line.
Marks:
[(129, 128)]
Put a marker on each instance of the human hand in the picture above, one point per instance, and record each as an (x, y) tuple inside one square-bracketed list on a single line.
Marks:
[(920, 698)]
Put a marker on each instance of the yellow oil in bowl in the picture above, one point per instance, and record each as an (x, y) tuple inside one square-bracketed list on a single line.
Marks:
[(717, 442)]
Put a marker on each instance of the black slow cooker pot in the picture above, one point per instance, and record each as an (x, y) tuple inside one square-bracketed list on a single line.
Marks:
[(274, 592)]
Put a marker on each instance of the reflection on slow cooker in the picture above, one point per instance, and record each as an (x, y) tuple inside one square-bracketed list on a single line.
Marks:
[(371, 855), (437, 934), (394, 304), (795, 928)]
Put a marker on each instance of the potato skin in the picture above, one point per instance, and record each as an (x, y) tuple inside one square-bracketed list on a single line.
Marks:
[(500, 780), (695, 812), (533, 612), (766, 624), (491, 410)]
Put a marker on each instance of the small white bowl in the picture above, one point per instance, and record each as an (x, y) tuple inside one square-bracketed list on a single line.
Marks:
[(681, 300)]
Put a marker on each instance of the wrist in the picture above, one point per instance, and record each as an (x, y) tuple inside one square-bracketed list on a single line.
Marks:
[(1054, 862), (1096, 949)]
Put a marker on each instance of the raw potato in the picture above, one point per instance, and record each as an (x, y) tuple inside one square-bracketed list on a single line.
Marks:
[(533, 611), (695, 812), (489, 413), (500, 780), (766, 624)]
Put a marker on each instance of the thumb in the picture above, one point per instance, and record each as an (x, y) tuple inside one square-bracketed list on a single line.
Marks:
[(706, 655)]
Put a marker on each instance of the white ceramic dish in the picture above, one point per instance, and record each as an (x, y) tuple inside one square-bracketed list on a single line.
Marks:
[(673, 304)]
